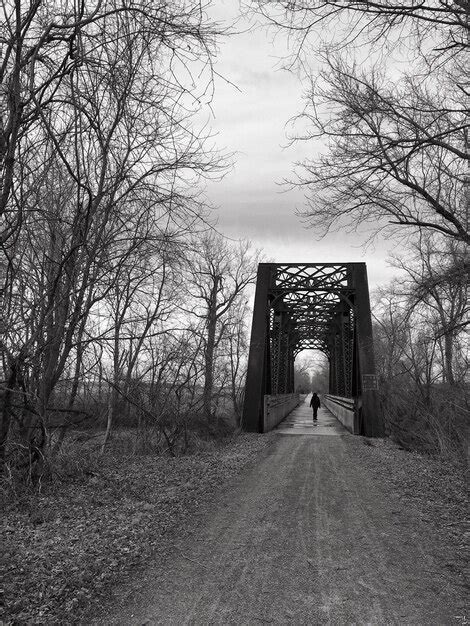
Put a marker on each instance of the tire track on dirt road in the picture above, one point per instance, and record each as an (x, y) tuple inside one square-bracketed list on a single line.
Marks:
[(308, 536)]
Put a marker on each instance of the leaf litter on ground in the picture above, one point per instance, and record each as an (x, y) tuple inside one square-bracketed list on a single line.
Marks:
[(67, 548)]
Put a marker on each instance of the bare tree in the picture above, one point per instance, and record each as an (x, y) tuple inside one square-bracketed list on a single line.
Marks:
[(47, 45), (143, 298), (425, 403), (237, 355), (99, 157), (397, 141), (432, 25), (438, 279), (220, 273), (397, 154), (390, 152)]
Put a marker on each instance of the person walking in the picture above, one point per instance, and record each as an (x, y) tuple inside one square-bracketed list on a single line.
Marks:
[(315, 404)]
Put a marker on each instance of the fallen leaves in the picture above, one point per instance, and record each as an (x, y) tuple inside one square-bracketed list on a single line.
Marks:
[(66, 548)]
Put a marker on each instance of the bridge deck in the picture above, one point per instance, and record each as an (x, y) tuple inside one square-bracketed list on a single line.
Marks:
[(300, 422)]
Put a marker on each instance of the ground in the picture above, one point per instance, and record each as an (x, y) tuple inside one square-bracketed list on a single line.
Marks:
[(278, 529), (67, 547)]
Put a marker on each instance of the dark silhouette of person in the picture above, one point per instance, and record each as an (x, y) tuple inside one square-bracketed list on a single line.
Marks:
[(315, 404)]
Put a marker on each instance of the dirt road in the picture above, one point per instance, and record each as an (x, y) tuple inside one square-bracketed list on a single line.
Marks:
[(308, 536)]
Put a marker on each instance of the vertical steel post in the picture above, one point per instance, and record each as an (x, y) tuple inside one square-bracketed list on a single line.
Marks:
[(284, 362), (291, 380), (258, 376), (372, 420), (332, 360)]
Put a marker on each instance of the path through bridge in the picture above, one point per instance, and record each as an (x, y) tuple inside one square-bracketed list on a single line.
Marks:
[(307, 536), (300, 422)]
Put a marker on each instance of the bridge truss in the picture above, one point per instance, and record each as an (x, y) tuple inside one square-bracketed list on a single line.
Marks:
[(312, 306)]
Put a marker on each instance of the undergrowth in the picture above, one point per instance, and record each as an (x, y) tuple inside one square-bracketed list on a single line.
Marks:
[(433, 421)]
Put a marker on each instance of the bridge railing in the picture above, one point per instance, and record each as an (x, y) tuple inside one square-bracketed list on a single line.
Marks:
[(344, 410), (277, 407)]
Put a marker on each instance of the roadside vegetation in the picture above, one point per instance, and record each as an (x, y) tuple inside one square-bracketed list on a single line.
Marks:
[(121, 306), (98, 521), (123, 313)]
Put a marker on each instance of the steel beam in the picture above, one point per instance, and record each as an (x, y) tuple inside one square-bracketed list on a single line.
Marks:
[(258, 378), (370, 415)]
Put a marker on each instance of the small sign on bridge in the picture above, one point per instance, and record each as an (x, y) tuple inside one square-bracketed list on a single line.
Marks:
[(370, 382)]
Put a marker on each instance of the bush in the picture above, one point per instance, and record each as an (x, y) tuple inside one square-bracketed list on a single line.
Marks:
[(431, 419)]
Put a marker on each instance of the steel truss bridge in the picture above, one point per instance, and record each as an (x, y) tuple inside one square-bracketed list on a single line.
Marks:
[(316, 306)]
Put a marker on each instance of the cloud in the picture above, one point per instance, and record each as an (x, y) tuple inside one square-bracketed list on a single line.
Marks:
[(251, 121)]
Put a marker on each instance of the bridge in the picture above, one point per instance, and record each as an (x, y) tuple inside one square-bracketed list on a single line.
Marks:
[(316, 306)]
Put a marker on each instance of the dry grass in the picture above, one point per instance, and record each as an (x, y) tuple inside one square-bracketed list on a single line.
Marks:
[(430, 420), (97, 520)]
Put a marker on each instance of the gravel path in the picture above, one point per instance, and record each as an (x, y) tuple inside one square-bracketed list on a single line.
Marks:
[(323, 530)]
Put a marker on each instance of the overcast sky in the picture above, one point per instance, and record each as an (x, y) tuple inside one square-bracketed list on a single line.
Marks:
[(250, 120)]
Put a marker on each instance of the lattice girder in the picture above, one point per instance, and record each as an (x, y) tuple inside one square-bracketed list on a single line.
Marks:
[(311, 306)]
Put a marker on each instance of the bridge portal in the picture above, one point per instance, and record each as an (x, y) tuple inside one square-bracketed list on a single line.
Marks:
[(317, 306)]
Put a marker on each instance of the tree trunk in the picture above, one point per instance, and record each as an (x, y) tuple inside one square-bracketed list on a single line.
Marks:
[(109, 422), (6, 413), (209, 352), (448, 358), (113, 397), (73, 395)]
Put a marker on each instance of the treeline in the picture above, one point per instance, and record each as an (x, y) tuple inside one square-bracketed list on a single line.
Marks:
[(119, 303), (421, 335)]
